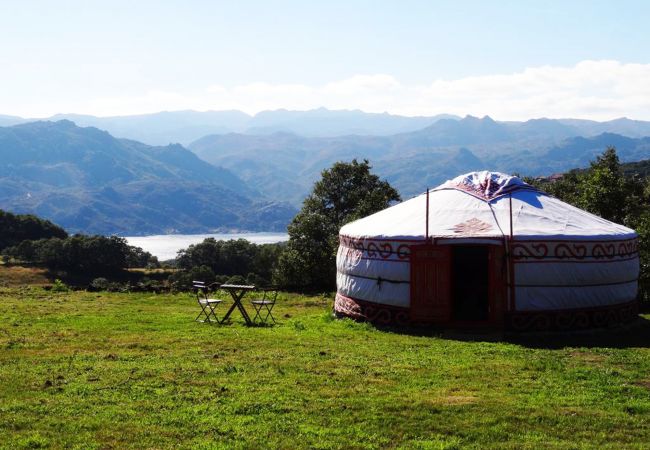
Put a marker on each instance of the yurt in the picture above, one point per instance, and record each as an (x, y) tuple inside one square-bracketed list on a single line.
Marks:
[(487, 249)]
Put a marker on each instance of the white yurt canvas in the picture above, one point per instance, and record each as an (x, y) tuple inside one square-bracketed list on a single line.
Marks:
[(487, 248)]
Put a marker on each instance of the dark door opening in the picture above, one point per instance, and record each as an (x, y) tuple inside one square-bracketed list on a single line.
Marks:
[(470, 294)]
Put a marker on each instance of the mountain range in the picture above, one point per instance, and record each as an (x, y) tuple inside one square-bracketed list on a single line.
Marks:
[(286, 165), (85, 179), (185, 127)]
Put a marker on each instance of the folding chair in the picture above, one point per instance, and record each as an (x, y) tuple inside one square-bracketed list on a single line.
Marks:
[(208, 305), (263, 306)]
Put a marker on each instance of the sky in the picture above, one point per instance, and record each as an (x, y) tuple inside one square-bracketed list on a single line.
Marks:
[(512, 60)]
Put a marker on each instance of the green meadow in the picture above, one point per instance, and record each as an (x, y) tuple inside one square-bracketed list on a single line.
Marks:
[(98, 370)]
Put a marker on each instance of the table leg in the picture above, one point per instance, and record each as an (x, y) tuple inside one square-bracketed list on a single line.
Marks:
[(237, 297), (244, 313), (232, 308)]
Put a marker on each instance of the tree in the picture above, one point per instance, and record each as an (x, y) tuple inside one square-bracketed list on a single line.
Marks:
[(232, 257), (16, 228), (603, 187), (345, 192)]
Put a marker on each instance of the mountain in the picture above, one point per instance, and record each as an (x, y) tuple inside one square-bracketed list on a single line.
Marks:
[(285, 165), (6, 121), (86, 180), (323, 122), (186, 126), (623, 126), (164, 127)]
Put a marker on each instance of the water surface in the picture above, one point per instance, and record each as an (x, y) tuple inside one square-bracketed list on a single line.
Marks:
[(165, 246)]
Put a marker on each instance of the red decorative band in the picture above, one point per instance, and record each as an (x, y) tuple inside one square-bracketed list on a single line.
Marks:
[(555, 320), (599, 317), (524, 251), (370, 312), (374, 249)]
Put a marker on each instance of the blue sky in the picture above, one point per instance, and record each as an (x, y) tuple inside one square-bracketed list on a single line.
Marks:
[(580, 59)]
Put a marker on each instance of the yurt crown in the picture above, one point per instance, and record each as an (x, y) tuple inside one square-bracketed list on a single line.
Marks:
[(486, 185)]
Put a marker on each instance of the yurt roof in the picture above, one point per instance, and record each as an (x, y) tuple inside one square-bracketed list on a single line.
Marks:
[(481, 204)]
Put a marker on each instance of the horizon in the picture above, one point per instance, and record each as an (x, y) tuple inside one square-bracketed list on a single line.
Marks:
[(511, 61), (65, 115)]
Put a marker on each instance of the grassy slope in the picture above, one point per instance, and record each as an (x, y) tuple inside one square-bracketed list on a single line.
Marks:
[(91, 370)]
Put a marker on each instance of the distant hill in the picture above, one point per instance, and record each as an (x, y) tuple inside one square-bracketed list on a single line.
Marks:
[(164, 127), (323, 122), (184, 127), (6, 121), (86, 180), (623, 126), (285, 165)]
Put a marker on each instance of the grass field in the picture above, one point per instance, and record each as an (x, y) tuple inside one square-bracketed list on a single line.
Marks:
[(97, 370)]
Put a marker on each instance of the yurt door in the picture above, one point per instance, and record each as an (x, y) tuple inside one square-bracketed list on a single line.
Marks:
[(430, 283)]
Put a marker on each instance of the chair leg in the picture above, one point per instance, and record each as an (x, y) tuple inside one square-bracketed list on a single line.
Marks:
[(207, 311), (257, 309), (212, 313), (269, 308), (259, 314), (202, 313)]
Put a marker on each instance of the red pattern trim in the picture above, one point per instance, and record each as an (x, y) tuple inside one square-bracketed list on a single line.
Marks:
[(599, 317), (371, 312), (553, 320), (522, 251), (561, 261), (376, 249), (574, 251), (376, 239)]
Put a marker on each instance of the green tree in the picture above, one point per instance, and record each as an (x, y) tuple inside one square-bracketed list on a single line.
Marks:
[(606, 190), (345, 192), (232, 257), (602, 189), (16, 228)]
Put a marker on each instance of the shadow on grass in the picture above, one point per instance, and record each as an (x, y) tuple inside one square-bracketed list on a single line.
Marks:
[(635, 334)]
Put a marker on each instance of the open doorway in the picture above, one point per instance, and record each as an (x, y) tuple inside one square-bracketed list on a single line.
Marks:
[(470, 281)]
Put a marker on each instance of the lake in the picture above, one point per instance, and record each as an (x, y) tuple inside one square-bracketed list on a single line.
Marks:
[(165, 246)]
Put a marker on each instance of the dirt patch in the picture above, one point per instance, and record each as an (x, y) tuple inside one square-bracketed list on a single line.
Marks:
[(14, 276), (456, 400), (644, 383), (587, 357)]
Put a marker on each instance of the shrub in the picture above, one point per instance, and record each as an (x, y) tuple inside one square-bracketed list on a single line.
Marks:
[(99, 284), (236, 279), (59, 286)]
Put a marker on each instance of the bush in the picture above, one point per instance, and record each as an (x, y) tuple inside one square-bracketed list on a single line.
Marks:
[(99, 284), (236, 279), (59, 286), (202, 273), (88, 255), (180, 281)]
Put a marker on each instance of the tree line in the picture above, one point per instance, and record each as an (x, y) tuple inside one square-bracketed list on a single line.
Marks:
[(307, 262), (26, 238)]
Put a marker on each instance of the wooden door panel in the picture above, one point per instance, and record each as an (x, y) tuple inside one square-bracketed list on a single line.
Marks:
[(430, 283)]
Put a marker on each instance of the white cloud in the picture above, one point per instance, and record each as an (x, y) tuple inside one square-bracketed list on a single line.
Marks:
[(598, 90)]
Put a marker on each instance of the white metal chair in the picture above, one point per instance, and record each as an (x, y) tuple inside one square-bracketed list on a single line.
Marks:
[(208, 305), (263, 306)]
